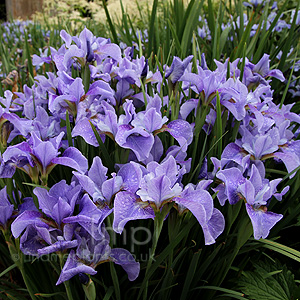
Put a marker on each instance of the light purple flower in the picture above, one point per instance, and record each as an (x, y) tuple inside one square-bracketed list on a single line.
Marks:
[(256, 192), (43, 155)]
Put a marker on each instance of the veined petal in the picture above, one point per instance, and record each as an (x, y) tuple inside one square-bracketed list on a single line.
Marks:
[(73, 267), (25, 219), (97, 172), (216, 223), (131, 174), (6, 208), (232, 178), (61, 210), (83, 128), (290, 159), (88, 185), (248, 191), (136, 139), (111, 186), (262, 221), (46, 202), (157, 189), (127, 208), (72, 158), (200, 203), (125, 259), (182, 131), (57, 246), (66, 38)]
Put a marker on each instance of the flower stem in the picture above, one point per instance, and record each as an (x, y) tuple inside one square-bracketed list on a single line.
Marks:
[(158, 224), (17, 257), (68, 290), (27, 282)]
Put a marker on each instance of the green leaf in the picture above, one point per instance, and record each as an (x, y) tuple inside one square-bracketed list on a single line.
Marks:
[(8, 269), (28, 56), (223, 38), (219, 127), (266, 36), (106, 157), (69, 131), (211, 18), (90, 290), (50, 295), (108, 293), (36, 185), (290, 38), (243, 41), (190, 23), (190, 275), (115, 280), (176, 39), (269, 279), (231, 293), (110, 23), (288, 83), (152, 28), (86, 78), (255, 286), (165, 253), (285, 250)]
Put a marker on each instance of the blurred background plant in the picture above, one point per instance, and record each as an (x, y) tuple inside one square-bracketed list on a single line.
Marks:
[(76, 11)]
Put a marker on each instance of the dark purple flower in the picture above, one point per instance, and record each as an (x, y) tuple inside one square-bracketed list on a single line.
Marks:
[(72, 267), (6, 208), (91, 253), (177, 68)]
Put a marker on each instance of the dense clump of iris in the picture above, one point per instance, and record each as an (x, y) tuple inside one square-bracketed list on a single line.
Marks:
[(110, 99)]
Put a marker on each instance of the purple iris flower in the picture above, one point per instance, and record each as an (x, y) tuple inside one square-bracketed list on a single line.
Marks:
[(65, 60), (256, 192), (45, 126), (182, 131), (42, 155), (180, 156), (177, 68), (256, 74), (266, 140), (53, 229), (6, 208), (101, 189), (158, 185), (234, 97), (200, 203), (35, 231), (59, 202), (38, 61), (135, 131), (90, 253), (44, 232), (93, 182), (71, 95)]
